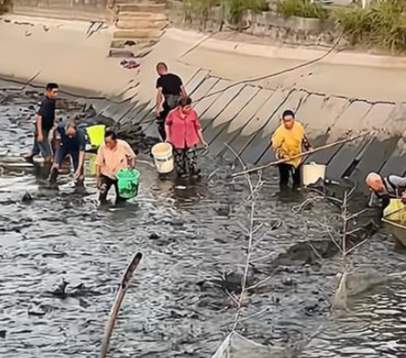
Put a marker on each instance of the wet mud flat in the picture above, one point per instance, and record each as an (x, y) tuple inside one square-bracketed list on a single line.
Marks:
[(61, 257)]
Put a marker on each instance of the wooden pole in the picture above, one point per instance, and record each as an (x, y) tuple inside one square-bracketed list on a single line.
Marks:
[(309, 152), (125, 281)]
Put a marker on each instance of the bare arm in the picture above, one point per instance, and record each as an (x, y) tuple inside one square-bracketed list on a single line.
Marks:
[(159, 100), (38, 124), (201, 138), (132, 162), (183, 92), (81, 159), (168, 132), (306, 143)]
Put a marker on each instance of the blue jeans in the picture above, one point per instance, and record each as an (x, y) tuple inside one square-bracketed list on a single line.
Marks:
[(43, 147)]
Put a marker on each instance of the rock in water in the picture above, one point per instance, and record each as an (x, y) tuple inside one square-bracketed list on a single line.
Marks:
[(27, 198)]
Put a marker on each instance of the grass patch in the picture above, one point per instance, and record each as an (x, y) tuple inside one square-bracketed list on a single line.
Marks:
[(302, 8)]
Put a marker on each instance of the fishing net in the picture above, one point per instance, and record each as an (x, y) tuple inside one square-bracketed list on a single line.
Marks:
[(351, 284), (237, 346)]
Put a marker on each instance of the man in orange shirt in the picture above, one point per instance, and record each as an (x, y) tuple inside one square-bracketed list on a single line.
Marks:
[(112, 156)]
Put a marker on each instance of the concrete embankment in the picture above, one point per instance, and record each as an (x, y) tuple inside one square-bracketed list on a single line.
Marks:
[(240, 88)]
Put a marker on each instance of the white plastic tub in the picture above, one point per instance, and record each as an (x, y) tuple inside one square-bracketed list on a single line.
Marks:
[(163, 157), (312, 172)]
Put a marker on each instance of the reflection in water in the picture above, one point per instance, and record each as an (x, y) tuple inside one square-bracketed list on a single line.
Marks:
[(193, 241)]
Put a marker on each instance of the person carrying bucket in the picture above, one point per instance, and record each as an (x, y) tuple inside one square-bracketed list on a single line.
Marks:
[(287, 141), (113, 156), (170, 90), (183, 131)]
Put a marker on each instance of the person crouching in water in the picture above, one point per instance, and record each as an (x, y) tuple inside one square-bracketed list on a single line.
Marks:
[(69, 141), (183, 131), (385, 188), (115, 154), (288, 141)]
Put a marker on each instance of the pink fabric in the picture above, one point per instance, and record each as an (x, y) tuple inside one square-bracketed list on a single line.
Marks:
[(183, 129)]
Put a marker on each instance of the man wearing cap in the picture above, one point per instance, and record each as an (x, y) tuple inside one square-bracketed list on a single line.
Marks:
[(288, 140)]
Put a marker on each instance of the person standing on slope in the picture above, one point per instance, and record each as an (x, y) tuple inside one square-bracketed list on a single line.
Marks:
[(170, 90)]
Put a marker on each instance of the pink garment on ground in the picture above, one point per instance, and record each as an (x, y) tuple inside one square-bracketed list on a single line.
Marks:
[(183, 129)]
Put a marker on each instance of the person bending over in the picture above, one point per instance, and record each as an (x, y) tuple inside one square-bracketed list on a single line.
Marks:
[(113, 155), (385, 188), (288, 140), (69, 141), (184, 132)]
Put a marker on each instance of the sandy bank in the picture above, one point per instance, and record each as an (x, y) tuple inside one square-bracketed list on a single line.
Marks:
[(63, 51)]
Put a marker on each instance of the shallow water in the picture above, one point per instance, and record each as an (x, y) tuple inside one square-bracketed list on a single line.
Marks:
[(191, 235)]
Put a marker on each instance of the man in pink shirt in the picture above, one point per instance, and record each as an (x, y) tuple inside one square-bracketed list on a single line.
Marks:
[(112, 156), (183, 131)]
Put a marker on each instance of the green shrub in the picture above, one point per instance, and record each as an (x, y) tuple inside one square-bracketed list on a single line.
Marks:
[(301, 8), (201, 8), (237, 8), (382, 25)]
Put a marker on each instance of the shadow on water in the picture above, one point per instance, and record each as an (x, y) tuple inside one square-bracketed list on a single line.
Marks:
[(61, 257)]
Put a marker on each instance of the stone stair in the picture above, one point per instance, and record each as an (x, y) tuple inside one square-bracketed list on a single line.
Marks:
[(139, 25)]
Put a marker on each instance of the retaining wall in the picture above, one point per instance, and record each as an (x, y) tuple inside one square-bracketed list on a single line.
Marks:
[(92, 10), (294, 30)]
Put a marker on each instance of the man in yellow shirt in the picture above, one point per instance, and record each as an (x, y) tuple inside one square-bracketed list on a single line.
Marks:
[(289, 140)]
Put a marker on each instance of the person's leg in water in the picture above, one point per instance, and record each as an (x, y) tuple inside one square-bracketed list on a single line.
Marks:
[(284, 173), (45, 147), (161, 121), (60, 156), (180, 161), (191, 162), (119, 199), (35, 149), (296, 176), (105, 186)]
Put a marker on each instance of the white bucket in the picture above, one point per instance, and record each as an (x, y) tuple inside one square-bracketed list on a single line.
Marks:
[(163, 157), (312, 172)]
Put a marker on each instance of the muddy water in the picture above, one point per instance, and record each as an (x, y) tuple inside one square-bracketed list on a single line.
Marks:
[(194, 245)]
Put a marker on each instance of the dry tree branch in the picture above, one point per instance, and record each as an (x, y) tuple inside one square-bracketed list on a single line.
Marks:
[(251, 231)]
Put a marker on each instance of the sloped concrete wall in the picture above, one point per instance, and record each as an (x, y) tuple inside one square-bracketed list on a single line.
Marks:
[(241, 114)]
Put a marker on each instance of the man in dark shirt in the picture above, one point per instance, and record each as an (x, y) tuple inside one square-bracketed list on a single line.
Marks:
[(170, 90), (70, 141), (44, 122)]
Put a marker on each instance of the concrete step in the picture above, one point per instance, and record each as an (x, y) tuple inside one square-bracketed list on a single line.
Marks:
[(139, 15), (141, 24), (132, 44), (137, 34), (142, 6)]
